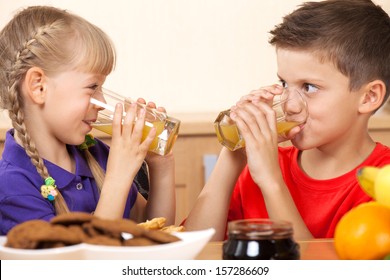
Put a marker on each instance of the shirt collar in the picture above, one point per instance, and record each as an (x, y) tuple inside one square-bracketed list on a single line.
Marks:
[(16, 155)]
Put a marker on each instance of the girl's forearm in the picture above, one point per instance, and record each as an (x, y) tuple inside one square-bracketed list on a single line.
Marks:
[(211, 207), (162, 198)]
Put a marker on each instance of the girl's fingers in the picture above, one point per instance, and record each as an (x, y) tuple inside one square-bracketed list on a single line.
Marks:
[(129, 119), (141, 100), (117, 120), (138, 127), (149, 138), (151, 105), (161, 109)]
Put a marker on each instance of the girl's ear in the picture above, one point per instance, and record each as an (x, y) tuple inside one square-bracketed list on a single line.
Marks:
[(372, 97), (35, 85)]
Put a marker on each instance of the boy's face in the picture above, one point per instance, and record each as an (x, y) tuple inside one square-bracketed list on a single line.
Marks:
[(333, 108)]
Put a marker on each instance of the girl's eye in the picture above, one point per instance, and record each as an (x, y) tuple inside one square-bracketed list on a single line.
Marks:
[(93, 87), (309, 88)]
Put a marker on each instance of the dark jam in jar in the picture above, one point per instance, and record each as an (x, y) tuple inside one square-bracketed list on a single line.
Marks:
[(260, 239)]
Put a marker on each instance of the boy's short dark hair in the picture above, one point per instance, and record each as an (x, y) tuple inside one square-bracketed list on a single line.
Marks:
[(353, 34)]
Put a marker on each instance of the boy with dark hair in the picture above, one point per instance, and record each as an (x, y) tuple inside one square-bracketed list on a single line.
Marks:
[(337, 53)]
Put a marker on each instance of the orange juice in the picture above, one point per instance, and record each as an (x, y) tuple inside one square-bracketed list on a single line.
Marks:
[(229, 135), (284, 127), (160, 143)]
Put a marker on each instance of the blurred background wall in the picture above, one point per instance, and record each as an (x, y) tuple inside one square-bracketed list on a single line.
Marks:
[(187, 55)]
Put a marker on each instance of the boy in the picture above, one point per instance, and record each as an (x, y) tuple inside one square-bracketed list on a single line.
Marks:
[(337, 53)]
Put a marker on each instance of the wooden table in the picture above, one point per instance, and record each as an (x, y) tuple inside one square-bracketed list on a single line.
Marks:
[(317, 249)]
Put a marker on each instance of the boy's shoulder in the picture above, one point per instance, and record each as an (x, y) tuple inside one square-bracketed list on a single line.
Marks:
[(380, 156)]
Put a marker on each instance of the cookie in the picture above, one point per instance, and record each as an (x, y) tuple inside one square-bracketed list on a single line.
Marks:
[(90, 230), (139, 241), (103, 240), (21, 235), (57, 233), (160, 236), (72, 218), (117, 226)]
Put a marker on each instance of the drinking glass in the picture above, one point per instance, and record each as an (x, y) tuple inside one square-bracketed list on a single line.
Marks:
[(167, 128), (291, 111)]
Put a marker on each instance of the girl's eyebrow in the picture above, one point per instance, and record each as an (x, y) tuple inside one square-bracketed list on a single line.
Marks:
[(92, 79)]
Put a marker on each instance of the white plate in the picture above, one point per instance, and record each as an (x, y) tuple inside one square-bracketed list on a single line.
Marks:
[(192, 242)]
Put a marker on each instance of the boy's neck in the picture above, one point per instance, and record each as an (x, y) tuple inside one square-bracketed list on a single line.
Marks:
[(329, 162)]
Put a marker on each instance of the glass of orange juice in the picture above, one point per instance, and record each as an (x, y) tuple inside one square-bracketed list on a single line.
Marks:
[(167, 128), (291, 111)]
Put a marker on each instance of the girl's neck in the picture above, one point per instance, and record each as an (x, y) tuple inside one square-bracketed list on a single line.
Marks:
[(55, 152)]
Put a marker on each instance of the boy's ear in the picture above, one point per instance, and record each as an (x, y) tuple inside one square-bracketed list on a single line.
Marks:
[(35, 85), (373, 96)]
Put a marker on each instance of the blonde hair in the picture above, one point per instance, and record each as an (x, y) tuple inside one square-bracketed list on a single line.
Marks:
[(54, 40)]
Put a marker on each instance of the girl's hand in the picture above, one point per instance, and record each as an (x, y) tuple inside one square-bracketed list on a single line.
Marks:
[(127, 152), (153, 158)]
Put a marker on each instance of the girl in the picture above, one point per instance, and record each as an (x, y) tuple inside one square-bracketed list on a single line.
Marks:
[(51, 62)]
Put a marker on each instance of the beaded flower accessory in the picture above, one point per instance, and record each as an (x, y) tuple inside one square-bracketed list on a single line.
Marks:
[(49, 189), (88, 142)]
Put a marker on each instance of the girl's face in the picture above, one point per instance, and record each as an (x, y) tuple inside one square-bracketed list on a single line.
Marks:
[(333, 108), (67, 111)]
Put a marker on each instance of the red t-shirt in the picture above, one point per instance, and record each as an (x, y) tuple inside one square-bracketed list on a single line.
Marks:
[(321, 203)]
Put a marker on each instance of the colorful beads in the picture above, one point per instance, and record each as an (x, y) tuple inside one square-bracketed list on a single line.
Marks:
[(49, 189)]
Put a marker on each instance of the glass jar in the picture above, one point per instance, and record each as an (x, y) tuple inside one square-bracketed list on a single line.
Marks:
[(260, 239)]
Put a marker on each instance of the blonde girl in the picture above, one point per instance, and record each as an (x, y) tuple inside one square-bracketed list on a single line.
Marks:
[(51, 62)]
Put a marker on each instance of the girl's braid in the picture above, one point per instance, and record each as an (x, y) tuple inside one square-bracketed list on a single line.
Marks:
[(17, 117)]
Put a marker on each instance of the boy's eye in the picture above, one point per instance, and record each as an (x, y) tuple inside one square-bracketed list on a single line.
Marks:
[(309, 88), (282, 83)]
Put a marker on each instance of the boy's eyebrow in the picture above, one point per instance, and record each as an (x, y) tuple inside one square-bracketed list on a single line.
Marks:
[(302, 80), (279, 77)]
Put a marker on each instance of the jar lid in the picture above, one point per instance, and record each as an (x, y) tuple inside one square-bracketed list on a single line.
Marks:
[(260, 229)]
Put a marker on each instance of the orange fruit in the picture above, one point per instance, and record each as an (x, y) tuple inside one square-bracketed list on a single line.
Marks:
[(363, 233)]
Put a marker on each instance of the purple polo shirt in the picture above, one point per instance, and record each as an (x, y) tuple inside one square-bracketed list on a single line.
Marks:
[(20, 183)]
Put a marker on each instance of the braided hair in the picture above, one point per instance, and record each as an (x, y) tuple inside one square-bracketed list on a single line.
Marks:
[(53, 40)]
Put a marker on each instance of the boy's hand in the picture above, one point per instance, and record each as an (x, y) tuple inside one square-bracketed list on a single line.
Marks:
[(264, 94)]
